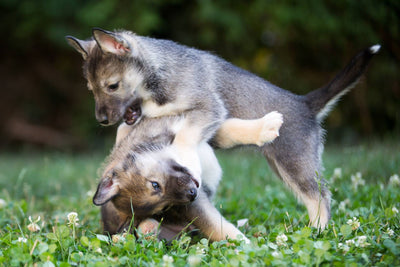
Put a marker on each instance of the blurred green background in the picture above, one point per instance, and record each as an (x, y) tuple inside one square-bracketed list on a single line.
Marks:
[(297, 45)]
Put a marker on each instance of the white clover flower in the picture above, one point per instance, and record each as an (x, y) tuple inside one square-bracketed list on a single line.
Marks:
[(116, 238), (194, 260), (337, 174), (395, 210), (381, 186), (394, 180), (281, 240), (167, 260), (276, 254), (357, 180), (342, 205), (2, 203), (349, 242), (33, 226), (389, 232), (200, 251), (98, 250), (22, 240), (354, 223), (72, 219), (343, 247), (362, 241)]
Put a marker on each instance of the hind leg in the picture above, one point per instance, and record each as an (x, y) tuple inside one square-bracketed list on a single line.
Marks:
[(211, 222), (299, 166)]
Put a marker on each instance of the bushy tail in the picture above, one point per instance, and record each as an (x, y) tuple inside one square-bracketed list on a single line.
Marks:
[(322, 100)]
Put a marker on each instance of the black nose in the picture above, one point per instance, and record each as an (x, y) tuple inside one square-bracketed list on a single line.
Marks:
[(192, 194), (102, 119), (104, 122), (101, 116)]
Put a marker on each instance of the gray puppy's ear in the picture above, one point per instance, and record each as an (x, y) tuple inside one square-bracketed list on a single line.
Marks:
[(106, 190), (110, 42), (82, 46)]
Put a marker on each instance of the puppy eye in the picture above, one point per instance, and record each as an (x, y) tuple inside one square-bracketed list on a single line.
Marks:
[(113, 87), (156, 186)]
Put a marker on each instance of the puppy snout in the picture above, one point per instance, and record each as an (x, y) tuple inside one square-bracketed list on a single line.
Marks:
[(104, 122), (192, 194), (102, 118)]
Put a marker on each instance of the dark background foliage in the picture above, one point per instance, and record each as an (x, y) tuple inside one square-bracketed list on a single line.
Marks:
[(297, 45)]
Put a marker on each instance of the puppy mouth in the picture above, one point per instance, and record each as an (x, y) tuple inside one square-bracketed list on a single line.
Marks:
[(132, 114)]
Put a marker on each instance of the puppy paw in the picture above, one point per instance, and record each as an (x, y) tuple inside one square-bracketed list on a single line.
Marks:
[(148, 227), (271, 123)]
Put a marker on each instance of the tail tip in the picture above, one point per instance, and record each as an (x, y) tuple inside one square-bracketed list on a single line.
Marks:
[(375, 48)]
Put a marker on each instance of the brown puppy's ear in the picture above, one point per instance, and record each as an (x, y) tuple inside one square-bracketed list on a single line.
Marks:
[(110, 42), (106, 190), (81, 46)]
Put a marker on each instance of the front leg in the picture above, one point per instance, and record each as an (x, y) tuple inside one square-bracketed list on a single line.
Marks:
[(113, 221), (186, 144), (192, 131), (211, 222), (122, 131)]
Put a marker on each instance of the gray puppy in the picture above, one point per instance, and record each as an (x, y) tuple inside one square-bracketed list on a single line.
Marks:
[(133, 76)]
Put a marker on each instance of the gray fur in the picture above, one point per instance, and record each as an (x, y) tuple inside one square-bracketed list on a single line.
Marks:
[(123, 190), (208, 90)]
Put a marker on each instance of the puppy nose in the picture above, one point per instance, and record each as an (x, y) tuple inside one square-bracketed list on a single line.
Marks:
[(192, 194), (104, 122), (102, 119), (101, 115)]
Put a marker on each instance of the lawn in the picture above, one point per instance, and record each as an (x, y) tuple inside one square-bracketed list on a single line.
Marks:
[(364, 230)]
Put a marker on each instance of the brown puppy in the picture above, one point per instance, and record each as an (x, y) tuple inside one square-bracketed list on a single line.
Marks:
[(144, 181)]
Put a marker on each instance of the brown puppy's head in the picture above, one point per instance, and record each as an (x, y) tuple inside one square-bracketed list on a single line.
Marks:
[(146, 190), (114, 72)]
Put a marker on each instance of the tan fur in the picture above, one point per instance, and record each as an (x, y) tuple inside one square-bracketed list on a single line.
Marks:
[(164, 78), (232, 132), (128, 177), (149, 226)]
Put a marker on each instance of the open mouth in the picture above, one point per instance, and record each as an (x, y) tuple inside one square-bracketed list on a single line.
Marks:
[(132, 114)]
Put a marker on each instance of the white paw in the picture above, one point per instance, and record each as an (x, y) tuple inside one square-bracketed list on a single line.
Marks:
[(148, 226), (271, 123)]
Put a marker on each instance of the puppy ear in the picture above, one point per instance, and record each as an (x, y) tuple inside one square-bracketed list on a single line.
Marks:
[(106, 190), (110, 42), (82, 46)]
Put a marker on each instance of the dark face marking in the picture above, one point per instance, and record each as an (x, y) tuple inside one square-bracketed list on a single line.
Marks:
[(112, 100), (114, 107)]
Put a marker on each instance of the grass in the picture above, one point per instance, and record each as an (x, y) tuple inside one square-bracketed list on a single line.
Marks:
[(364, 230)]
